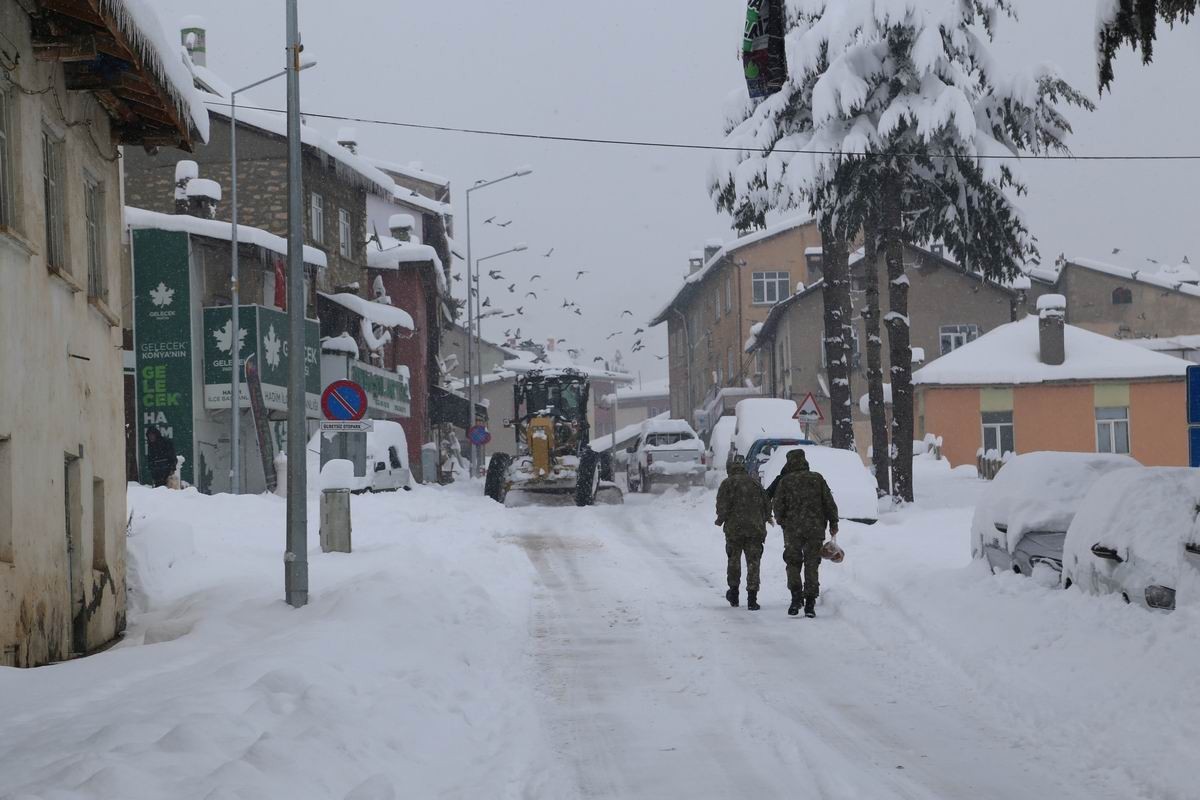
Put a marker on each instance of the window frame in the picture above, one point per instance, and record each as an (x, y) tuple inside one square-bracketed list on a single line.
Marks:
[(316, 218), (345, 233), (1125, 294), (998, 425), (54, 200), (8, 189), (1107, 425), (775, 282), (93, 221), (968, 332)]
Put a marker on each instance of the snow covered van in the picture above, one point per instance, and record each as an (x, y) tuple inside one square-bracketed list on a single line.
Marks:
[(666, 451)]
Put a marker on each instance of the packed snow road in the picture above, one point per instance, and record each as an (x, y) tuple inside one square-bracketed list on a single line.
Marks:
[(467, 650)]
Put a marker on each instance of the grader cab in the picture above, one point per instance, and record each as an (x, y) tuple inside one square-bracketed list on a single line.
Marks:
[(553, 453)]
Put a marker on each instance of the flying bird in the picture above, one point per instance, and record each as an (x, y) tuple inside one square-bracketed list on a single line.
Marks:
[(549, 253), (457, 278), (487, 302), (626, 313), (520, 311), (534, 278), (611, 335), (567, 303), (578, 312), (661, 358), (562, 341), (489, 220), (511, 290), (504, 224), (580, 274), (639, 330), (495, 275), (531, 294), (594, 360), (1116, 250)]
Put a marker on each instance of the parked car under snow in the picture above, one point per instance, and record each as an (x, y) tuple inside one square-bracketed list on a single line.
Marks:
[(1138, 535), (851, 482), (1022, 518), (666, 451)]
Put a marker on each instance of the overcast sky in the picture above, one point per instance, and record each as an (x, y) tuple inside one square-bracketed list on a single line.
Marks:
[(628, 69)]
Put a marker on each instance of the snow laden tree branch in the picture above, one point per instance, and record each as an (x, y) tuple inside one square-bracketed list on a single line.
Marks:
[(1135, 23), (901, 100)]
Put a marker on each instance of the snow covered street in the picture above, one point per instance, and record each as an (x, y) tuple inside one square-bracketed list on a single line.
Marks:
[(464, 650)]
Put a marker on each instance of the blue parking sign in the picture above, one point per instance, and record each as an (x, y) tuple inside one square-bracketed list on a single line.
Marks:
[(1194, 446), (1193, 395)]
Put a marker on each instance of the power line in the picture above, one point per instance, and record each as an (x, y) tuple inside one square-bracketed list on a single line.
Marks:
[(546, 137)]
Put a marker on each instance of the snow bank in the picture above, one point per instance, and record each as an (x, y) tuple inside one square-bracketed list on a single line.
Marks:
[(1039, 492), (765, 418), (721, 440), (852, 485)]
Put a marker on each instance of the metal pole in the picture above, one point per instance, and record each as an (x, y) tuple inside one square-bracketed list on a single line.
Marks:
[(478, 350), (295, 570), (469, 367), (235, 365)]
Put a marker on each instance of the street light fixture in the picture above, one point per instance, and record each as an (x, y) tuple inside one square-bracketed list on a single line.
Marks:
[(475, 369), (472, 283), (235, 405)]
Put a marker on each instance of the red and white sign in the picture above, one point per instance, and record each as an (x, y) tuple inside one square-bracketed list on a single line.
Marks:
[(809, 411)]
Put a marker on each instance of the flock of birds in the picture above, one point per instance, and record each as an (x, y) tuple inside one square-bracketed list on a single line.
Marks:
[(490, 307)]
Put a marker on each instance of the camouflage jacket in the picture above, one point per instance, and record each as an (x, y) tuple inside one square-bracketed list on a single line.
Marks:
[(742, 506), (803, 502)]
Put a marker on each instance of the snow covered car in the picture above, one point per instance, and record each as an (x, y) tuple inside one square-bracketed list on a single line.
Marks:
[(666, 451), (762, 418), (1022, 517), (761, 451), (387, 459), (720, 442), (851, 482), (1137, 534)]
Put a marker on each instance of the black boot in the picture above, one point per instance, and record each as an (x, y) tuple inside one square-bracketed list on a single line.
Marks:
[(732, 596), (752, 600), (794, 608), (810, 609)]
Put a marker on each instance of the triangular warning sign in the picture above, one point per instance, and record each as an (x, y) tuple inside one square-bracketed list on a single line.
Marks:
[(809, 411)]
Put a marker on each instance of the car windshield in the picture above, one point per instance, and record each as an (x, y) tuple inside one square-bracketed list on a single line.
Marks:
[(664, 439)]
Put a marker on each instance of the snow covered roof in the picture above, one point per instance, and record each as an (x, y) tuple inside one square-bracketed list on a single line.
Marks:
[(1009, 355), (402, 194), (732, 247), (1190, 342), (391, 253), (377, 313), (141, 219), (412, 170), (1152, 275), (645, 390)]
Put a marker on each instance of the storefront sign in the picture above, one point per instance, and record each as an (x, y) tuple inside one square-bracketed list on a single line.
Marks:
[(388, 393), (264, 332), (163, 349)]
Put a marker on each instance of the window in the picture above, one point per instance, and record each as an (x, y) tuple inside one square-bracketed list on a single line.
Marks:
[(998, 432), (7, 178), (317, 220), (6, 500), (1122, 296), (816, 266), (345, 242), (718, 307), (955, 336), (99, 523), (771, 287), (1112, 430), (52, 185), (93, 220), (729, 293)]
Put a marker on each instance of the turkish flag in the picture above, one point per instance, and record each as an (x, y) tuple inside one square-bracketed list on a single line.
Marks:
[(280, 285)]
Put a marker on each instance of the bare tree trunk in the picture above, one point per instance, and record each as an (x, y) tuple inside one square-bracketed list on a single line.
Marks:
[(880, 448), (836, 296), (899, 337)]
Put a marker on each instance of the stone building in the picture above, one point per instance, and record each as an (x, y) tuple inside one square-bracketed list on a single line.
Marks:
[(950, 307), (730, 288), (74, 84)]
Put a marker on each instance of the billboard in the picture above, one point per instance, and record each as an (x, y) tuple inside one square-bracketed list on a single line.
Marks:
[(763, 53), (263, 332)]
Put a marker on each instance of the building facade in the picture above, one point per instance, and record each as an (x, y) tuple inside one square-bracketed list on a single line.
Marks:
[(64, 108), (730, 288)]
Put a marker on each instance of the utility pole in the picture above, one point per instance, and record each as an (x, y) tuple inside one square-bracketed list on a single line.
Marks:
[(295, 559)]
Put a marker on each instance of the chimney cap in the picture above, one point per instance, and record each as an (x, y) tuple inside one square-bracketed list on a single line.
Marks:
[(204, 187), (186, 170), (1051, 305), (714, 242)]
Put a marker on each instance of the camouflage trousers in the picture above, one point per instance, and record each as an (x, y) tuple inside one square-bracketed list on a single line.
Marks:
[(751, 547), (802, 555)]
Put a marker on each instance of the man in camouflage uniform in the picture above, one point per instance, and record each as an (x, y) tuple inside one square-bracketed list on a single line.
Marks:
[(803, 507), (745, 511)]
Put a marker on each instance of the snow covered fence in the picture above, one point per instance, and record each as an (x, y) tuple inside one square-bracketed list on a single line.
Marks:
[(988, 463)]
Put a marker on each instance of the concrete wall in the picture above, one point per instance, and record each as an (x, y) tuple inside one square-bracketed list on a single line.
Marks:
[(1062, 417), (1154, 312), (62, 447)]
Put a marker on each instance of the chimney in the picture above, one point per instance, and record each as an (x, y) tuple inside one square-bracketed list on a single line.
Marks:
[(695, 261), (185, 173), (1052, 312), (348, 138), (711, 248), (194, 37), (401, 226), (202, 198)]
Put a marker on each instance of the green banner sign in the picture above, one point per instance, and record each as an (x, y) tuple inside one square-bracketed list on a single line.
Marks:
[(163, 349), (264, 332), (388, 393)]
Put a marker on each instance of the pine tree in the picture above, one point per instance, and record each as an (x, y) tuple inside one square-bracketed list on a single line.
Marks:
[(1135, 23), (899, 109)]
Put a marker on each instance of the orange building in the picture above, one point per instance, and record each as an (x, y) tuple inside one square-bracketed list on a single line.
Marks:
[(1040, 384)]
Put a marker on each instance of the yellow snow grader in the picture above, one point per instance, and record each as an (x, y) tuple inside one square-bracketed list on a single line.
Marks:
[(553, 452)]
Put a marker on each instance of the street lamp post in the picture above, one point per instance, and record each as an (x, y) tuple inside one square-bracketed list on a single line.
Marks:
[(471, 286), (477, 368), (235, 406)]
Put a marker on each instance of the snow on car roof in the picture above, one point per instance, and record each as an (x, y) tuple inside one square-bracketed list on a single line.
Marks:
[(1010, 354), (852, 485), (765, 418), (667, 426)]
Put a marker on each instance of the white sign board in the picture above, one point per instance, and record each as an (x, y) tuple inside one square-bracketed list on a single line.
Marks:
[(809, 410), (362, 426)]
